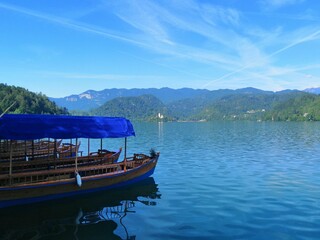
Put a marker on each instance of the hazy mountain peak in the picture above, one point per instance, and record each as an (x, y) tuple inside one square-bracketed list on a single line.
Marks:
[(86, 95), (313, 90)]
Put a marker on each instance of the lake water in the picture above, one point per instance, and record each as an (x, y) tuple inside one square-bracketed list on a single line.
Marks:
[(217, 180)]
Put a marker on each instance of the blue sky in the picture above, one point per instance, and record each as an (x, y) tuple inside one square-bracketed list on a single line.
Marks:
[(66, 47)]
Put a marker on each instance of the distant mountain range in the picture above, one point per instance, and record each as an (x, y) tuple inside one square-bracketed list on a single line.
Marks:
[(92, 99), (196, 104)]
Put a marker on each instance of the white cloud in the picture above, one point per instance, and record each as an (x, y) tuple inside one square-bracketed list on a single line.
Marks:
[(280, 3)]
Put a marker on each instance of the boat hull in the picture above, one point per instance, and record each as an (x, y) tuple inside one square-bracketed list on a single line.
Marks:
[(17, 195)]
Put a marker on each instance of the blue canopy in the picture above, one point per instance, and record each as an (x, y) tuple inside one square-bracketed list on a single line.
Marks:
[(29, 126)]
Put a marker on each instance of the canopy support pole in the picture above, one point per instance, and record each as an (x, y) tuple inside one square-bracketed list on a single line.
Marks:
[(32, 150), (70, 147), (55, 152), (25, 150), (76, 155), (101, 144), (10, 166), (125, 148), (125, 155), (88, 146), (49, 147)]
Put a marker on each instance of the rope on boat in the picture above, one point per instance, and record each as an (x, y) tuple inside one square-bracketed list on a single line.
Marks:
[(5, 111), (78, 177)]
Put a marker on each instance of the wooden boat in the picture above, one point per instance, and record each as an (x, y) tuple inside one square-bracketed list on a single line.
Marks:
[(38, 184), (62, 161), (63, 155), (27, 145), (22, 150), (68, 150)]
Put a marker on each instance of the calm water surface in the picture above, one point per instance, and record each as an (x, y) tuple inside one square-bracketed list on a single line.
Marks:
[(218, 180)]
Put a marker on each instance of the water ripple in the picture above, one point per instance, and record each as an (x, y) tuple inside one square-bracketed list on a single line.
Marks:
[(243, 181), (227, 180)]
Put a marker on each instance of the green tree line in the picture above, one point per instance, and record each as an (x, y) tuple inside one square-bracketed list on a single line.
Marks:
[(285, 106), (24, 101)]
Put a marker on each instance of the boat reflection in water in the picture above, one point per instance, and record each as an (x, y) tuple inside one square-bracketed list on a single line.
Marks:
[(94, 216)]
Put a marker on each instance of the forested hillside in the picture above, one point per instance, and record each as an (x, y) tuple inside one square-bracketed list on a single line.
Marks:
[(24, 101), (305, 107), (250, 105), (145, 107), (199, 106), (247, 104)]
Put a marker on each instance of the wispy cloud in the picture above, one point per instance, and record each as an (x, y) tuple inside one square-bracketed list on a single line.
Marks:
[(158, 26), (134, 12), (223, 38), (223, 45), (152, 20), (167, 27), (69, 23), (303, 39), (273, 4)]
